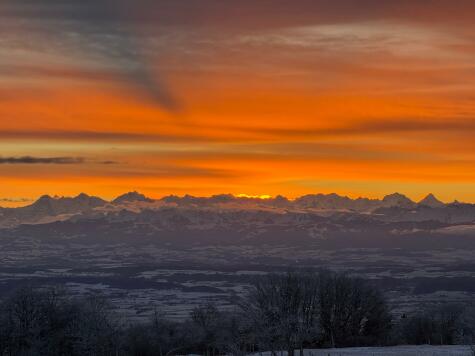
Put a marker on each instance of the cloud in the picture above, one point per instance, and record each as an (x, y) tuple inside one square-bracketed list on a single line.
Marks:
[(52, 160), (15, 200), (237, 134), (101, 29), (117, 29), (79, 135), (41, 160), (243, 14), (370, 127)]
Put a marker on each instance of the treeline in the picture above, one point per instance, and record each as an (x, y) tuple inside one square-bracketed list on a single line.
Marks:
[(447, 324), (283, 312)]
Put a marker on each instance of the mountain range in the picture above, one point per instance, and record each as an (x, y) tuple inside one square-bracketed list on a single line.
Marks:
[(393, 207), (327, 220)]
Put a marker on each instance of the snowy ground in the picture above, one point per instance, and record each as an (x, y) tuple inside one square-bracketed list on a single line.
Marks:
[(387, 351)]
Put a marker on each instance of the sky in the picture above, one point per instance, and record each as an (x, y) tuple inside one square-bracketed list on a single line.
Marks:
[(357, 97)]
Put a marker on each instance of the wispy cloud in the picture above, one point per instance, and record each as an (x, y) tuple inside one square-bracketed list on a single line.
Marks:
[(253, 14), (15, 200), (80, 135), (104, 30), (370, 127), (41, 160), (238, 133), (53, 160)]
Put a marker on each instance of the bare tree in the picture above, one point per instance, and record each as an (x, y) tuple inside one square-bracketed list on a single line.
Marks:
[(351, 312), (47, 321), (446, 324), (283, 312), (96, 329), (283, 309), (34, 321), (207, 319)]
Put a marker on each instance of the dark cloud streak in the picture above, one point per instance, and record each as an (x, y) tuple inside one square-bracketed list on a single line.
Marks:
[(238, 133), (91, 20), (386, 126), (95, 136), (41, 160), (51, 160), (247, 14)]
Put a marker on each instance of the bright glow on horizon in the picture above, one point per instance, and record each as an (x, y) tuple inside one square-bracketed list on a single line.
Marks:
[(263, 197)]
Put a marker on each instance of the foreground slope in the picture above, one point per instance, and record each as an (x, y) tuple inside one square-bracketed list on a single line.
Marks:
[(423, 350)]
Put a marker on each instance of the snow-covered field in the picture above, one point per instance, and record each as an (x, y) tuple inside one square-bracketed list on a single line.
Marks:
[(424, 350)]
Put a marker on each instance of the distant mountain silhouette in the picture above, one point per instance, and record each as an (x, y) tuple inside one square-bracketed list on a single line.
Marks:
[(64, 204), (394, 207), (47, 208), (432, 201), (131, 197), (336, 202), (398, 200)]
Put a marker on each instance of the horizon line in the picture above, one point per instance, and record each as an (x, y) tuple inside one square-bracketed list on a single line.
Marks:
[(23, 202)]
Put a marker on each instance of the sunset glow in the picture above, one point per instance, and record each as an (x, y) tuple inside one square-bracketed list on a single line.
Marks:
[(357, 103), (263, 197)]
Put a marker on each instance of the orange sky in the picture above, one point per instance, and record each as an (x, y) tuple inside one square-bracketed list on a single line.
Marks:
[(335, 99)]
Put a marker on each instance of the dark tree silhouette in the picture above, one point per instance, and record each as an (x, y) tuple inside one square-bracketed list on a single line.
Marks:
[(284, 311), (48, 322), (351, 312), (296, 309)]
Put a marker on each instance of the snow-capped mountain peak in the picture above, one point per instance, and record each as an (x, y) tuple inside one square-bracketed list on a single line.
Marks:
[(431, 201), (131, 197), (397, 200)]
